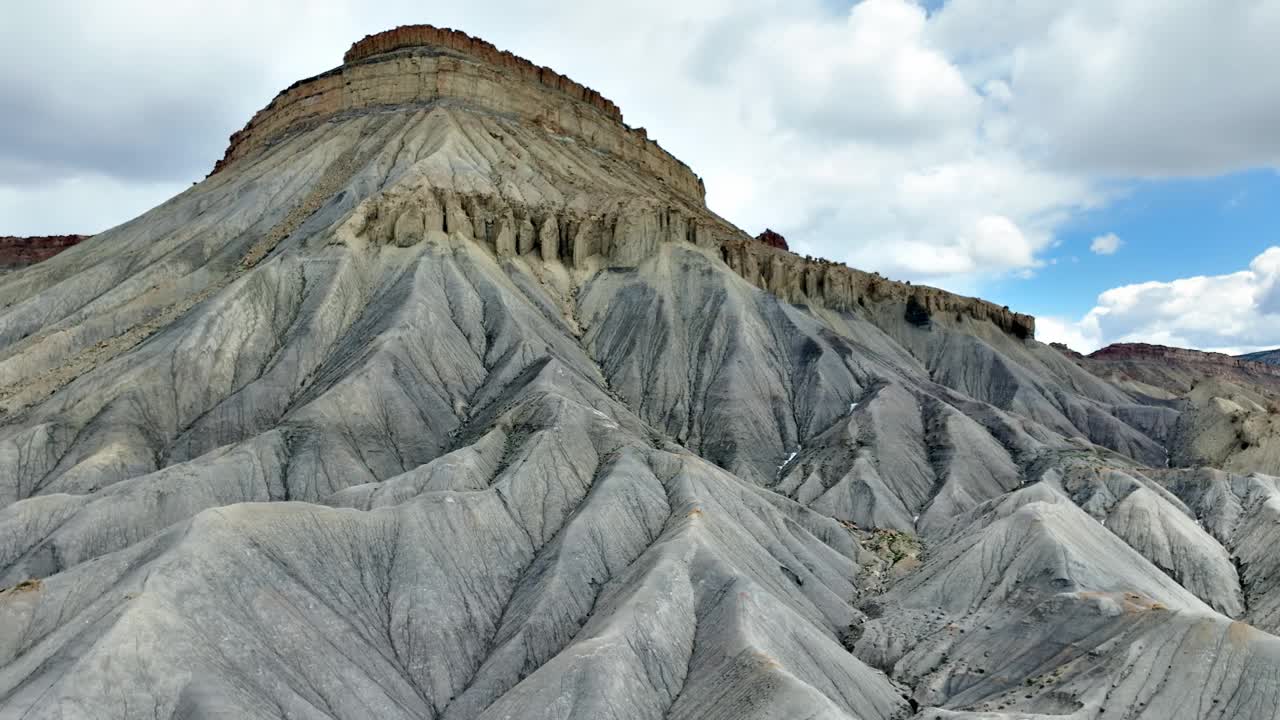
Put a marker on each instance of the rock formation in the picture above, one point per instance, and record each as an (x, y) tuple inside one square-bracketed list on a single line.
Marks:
[(19, 252), (423, 66), (1143, 353), (772, 239), (1271, 357), (446, 396), (1221, 411)]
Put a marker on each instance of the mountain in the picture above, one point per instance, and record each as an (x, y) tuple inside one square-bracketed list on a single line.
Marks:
[(445, 395), (1270, 357)]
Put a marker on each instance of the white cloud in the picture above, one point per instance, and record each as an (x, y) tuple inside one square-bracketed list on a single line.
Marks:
[(1236, 311), (871, 147), (869, 78), (101, 202), (1105, 244), (1075, 335), (1130, 87)]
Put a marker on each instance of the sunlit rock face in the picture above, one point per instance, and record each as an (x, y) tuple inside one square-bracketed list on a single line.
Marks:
[(445, 395)]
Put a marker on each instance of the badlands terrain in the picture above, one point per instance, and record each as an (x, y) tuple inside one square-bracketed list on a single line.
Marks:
[(446, 396)]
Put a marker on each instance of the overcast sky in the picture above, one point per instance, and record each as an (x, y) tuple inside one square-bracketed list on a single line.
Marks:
[(1109, 165)]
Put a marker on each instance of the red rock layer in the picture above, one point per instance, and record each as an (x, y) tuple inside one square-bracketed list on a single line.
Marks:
[(418, 35), (1144, 352), (386, 70), (773, 239), (18, 252)]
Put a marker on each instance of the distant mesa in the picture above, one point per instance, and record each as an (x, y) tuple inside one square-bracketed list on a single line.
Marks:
[(1149, 351), (421, 67), (19, 252), (408, 36), (1146, 352), (1270, 357), (773, 239)]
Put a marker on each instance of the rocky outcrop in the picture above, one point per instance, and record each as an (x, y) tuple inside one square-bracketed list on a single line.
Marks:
[(772, 239), (625, 232), (1144, 352), (1066, 350), (418, 65), (19, 252), (408, 36)]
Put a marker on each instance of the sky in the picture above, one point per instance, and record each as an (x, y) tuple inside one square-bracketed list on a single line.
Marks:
[(1110, 166)]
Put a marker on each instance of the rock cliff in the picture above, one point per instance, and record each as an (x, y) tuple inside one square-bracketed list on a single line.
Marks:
[(18, 252), (835, 285), (408, 36), (1144, 352), (420, 67), (772, 239)]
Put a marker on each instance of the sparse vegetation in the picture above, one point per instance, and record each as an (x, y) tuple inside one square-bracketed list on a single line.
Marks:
[(28, 585)]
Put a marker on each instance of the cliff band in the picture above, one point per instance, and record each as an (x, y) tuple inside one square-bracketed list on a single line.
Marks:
[(421, 66)]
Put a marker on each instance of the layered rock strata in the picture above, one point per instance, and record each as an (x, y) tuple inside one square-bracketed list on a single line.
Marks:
[(1144, 352), (416, 67), (419, 65), (19, 252)]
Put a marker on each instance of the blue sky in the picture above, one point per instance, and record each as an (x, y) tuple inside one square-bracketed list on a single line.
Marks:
[(976, 145), (1170, 229)]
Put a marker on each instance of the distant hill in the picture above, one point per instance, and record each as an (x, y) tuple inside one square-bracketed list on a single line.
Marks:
[(19, 252), (1228, 407), (1270, 357)]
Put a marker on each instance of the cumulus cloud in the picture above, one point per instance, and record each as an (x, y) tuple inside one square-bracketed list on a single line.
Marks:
[(1234, 312), (140, 92), (1105, 244), (872, 147), (1130, 87), (868, 78), (1050, 329)]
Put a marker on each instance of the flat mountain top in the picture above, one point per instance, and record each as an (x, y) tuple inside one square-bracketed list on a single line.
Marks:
[(17, 252)]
